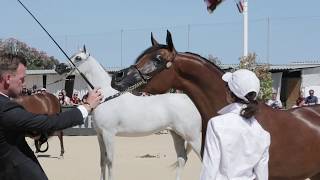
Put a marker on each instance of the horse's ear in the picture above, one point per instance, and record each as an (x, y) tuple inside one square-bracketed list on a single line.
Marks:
[(153, 41), (84, 48), (169, 41)]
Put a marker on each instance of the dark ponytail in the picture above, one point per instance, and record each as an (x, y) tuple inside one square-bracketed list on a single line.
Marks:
[(252, 106)]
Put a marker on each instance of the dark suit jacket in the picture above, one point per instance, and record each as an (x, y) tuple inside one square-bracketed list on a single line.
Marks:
[(17, 160)]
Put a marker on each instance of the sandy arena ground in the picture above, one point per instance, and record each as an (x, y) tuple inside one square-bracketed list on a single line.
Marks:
[(82, 159)]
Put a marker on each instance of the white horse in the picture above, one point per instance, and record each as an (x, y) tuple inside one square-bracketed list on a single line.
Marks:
[(129, 115)]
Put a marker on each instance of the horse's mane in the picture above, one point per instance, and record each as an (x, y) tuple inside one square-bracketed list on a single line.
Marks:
[(207, 60)]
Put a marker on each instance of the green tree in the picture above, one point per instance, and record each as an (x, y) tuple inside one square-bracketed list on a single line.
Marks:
[(262, 72), (35, 59)]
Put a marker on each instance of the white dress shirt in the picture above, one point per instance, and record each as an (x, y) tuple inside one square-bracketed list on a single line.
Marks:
[(236, 148)]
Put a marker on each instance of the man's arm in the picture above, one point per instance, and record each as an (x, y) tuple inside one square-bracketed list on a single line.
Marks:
[(14, 117)]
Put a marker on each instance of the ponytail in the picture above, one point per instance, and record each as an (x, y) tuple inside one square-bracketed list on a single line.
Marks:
[(251, 105)]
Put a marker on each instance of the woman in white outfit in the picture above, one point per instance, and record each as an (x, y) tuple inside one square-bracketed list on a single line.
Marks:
[(237, 147)]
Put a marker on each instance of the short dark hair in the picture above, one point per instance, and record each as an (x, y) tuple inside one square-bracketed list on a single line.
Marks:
[(10, 62)]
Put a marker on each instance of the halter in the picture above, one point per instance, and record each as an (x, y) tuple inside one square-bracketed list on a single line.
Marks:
[(159, 68)]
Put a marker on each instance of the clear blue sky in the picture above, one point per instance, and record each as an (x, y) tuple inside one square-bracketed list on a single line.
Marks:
[(294, 28)]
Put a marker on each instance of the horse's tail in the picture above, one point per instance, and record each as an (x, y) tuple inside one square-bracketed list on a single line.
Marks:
[(188, 150)]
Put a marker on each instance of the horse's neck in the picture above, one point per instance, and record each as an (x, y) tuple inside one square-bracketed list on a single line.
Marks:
[(99, 78), (202, 82)]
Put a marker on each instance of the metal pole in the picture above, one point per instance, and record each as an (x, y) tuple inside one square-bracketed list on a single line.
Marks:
[(188, 37), (121, 48), (268, 40), (245, 28)]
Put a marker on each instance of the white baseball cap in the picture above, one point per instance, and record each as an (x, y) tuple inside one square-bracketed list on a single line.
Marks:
[(242, 82)]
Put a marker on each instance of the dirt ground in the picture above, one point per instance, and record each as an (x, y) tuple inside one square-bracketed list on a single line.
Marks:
[(136, 158)]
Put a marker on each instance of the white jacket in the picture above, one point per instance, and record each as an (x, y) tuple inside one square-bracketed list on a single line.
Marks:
[(236, 148)]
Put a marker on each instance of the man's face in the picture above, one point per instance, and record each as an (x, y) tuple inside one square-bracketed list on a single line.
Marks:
[(311, 93), (15, 81), (274, 96)]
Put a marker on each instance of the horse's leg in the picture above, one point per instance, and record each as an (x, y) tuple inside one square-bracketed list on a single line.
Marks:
[(108, 138), (102, 156), (36, 144), (181, 152), (196, 144), (60, 136)]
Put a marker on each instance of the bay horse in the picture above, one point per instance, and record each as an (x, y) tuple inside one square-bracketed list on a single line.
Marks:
[(44, 103), (295, 133), (132, 116)]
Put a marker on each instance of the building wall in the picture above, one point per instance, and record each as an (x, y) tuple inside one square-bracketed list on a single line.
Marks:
[(311, 80)]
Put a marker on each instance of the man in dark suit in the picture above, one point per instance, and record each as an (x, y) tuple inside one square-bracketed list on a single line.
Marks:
[(17, 160)]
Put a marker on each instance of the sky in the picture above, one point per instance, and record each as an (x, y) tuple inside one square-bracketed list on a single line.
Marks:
[(116, 32)]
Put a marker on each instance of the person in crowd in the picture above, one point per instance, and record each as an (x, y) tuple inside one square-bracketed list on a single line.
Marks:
[(24, 91), (17, 160), (38, 91), (66, 98), (299, 101), (236, 146), (84, 98), (311, 99), (62, 99), (75, 100), (43, 90), (274, 102)]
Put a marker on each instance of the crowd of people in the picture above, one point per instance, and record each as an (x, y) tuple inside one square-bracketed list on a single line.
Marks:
[(62, 96), (74, 100), (300, 101)]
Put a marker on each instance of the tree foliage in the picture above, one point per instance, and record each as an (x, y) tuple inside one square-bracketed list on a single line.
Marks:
[(262, 72), (215, 60), (35, 59)]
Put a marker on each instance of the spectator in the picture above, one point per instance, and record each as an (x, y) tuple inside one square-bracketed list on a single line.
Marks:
[(43, 90), (24, 91), (62, 98), (66, 98), (75, 100), (274, 102), (38, 91), (311, 99), (300, 101), (84, 98)]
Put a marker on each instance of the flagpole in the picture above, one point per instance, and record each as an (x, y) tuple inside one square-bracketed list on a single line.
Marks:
[(245, 27)]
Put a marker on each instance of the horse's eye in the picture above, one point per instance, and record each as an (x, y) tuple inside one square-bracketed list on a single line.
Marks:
[(78, 58), (157, 59)]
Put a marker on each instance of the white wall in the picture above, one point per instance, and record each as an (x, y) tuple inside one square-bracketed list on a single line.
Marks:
[(276, 83), (310, 80)]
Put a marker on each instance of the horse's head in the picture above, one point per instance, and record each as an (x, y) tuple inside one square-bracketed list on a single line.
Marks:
[(154, 69), (212, 4), (77, 59), (81, 60)]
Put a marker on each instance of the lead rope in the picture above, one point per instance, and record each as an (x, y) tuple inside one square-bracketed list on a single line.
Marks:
[(129, 89)]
